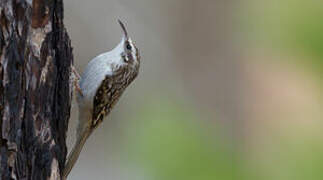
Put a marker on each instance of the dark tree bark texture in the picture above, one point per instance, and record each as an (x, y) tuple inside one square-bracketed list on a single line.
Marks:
[(35, 89)]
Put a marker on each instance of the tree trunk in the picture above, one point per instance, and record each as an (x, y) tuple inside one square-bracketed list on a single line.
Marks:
[(35, 89)]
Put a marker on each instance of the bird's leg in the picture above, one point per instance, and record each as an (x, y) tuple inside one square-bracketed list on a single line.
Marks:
[(76, 80)]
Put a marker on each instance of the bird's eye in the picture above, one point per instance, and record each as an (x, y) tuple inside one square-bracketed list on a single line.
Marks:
[(128, 47)]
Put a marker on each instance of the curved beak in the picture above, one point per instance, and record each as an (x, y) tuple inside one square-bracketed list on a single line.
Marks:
[(125, 33)]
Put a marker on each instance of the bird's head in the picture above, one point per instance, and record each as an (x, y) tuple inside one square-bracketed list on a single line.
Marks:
[(129, 52)]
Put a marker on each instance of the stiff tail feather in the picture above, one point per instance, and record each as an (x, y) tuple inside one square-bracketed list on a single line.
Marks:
[(82, 134), (74, 154)]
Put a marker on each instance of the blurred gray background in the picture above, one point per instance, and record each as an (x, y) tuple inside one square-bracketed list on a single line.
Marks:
[(221, 81)]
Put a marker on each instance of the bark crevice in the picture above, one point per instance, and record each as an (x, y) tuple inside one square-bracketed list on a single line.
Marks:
[(35, 89)]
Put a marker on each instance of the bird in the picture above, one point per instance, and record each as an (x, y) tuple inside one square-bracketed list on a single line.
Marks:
[(99, 88)]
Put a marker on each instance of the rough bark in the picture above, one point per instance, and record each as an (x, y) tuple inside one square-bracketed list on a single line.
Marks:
[(35, 89)]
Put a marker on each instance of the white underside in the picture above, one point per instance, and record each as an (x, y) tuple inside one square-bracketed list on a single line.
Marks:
[(92, 77), (94, 73)]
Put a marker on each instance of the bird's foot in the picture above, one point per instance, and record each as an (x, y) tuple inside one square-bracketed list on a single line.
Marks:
[(76, 81)]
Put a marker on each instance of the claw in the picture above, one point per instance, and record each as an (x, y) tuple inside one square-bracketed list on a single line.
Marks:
[(77, 87), (76, 81), (76, 73)]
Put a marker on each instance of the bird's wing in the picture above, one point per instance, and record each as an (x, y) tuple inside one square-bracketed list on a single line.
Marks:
[(105, 98), (102, 101), (109, 93)]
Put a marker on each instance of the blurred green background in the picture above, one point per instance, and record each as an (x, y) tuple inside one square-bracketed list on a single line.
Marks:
[(227, 89)]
